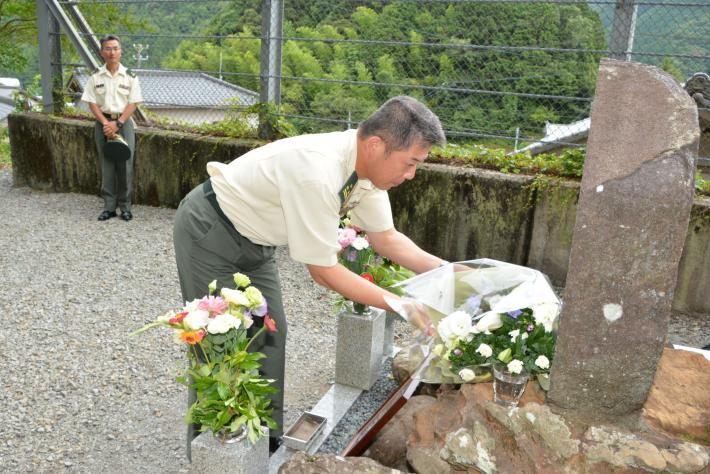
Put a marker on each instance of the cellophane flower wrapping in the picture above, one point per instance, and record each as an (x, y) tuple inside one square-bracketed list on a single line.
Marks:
[(468, 295)]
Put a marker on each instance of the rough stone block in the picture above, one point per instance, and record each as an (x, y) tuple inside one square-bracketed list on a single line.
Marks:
[(359, 345), (632, 218), (211, 456)]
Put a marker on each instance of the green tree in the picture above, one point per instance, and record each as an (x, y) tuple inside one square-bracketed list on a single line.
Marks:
[(17, 28)]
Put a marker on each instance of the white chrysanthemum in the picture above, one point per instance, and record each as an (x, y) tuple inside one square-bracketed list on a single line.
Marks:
[(546, 314), (515, 366), (456, 325), (490, 321), (234, 297), (542, 362), (467, 375), (222, 323), (360, 243), (197, 319), (485, 350)]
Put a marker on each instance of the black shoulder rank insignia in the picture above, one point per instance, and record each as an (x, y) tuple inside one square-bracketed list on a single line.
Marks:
[(346, 191), (130, 72)]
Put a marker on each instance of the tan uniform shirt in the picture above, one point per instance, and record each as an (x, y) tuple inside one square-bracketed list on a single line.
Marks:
[(287, 192), (112, 93)]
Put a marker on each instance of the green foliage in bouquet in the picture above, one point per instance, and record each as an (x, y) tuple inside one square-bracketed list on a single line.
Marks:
[(515, 335), (360, 258), (230, 391)]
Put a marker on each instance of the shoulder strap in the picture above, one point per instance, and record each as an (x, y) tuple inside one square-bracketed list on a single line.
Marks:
[(347, 188)]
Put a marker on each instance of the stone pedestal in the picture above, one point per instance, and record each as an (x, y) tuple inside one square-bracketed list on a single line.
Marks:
[(360, 342), (211, 456)]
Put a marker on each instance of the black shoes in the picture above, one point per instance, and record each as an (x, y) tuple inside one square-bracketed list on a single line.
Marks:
[(106, 215)]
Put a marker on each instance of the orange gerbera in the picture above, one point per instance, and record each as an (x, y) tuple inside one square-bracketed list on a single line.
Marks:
[(192, 337)]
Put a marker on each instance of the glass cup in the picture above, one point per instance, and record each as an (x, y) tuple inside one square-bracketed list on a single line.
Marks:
[(508, 387)]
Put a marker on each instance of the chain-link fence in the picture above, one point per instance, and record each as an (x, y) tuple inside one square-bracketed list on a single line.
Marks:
[(518, 73)]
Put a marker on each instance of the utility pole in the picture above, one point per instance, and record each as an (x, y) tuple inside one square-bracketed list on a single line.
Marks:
[(623, 28), (138, 56)]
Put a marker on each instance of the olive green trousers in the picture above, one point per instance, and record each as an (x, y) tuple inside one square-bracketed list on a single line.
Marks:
[(207, 247), (116, 176)]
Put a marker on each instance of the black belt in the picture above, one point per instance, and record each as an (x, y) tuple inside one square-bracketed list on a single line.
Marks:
[(111, 116), (212, 199)]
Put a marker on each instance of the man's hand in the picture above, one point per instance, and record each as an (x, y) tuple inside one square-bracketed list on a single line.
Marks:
[(110, 129), (412, 311), (419, 316)]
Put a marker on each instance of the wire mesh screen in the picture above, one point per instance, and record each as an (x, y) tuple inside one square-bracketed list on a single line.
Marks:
[(514, 72)]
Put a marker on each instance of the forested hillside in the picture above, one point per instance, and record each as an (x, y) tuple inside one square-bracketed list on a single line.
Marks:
[(417, 58), (486, 67)]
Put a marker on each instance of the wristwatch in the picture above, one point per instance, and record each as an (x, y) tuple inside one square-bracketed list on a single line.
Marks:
[(119, 124)]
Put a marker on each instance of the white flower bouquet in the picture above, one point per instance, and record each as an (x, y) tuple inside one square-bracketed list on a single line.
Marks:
[(484, 311)]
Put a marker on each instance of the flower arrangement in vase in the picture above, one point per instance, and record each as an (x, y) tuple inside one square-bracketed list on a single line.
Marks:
[(231, 394), (358, 256)]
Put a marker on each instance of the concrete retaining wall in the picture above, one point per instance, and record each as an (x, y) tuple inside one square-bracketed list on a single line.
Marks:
[(457, 213)]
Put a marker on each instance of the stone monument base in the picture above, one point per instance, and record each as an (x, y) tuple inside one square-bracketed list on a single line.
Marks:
[(212, 456)]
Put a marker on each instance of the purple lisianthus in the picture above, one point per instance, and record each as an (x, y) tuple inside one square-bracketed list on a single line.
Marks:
[(515, 313), (246, 313), (472, 304), (458, 352), (530, 328), (351, 256), (260, 310)]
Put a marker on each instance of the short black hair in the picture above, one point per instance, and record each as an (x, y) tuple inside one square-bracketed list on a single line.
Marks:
[(401, 122), (109, 38)]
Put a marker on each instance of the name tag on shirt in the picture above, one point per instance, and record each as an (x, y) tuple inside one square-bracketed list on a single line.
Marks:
[(123, 86), (98, 86)]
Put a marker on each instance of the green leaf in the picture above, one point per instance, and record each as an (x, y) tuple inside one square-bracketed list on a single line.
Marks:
[(506, 355)]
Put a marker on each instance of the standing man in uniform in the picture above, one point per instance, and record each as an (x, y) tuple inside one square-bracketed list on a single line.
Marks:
[(113, 93), (293, 192)]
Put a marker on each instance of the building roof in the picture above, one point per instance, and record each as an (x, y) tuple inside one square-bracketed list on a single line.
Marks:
[(8, 87), (181, 89)]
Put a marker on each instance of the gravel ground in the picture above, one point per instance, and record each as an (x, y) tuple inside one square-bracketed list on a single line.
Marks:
[(80, 395)]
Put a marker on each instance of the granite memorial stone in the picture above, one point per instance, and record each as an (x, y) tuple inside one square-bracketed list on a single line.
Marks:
[(634, 207)]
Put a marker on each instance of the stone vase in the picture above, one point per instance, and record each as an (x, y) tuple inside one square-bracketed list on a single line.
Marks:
[(359, 348), (212, 454)]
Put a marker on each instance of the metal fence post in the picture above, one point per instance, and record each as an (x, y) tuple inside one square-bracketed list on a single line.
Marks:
[(271, 32), (55, 47), (45, 24), (621, 42)]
